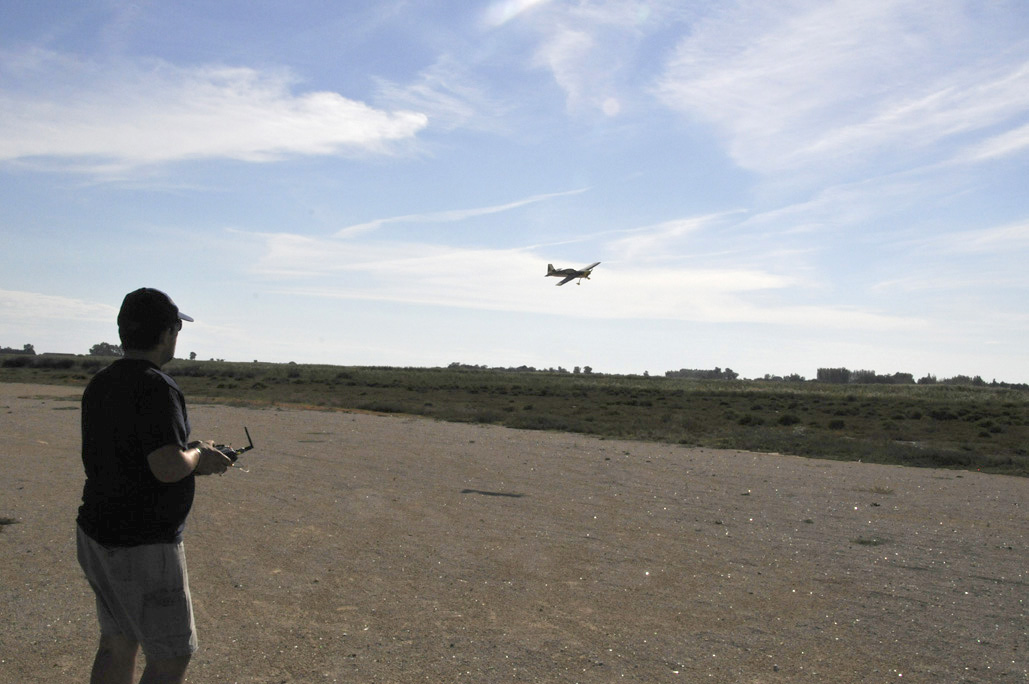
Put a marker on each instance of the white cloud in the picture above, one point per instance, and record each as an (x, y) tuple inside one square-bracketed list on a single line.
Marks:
[(1006, 144), (503, 11), (662, 240), (121, 115), (450, 95), (836, 84), (567, 56), (451, 215), (953, 106), (844, 207), (18, 307), (594, 51), (1006, 240), (944, 281), (513, 280)]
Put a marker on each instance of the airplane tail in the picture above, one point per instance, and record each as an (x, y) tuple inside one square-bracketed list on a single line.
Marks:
[(550, 269)]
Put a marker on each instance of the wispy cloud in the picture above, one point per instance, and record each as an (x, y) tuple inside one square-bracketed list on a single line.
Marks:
[(503, 11), (118, 115), (594, 51), (1005, 144), (1005, 240), (567, 56), (591, 51), (513, 280), (451, 215), (19, 306), (844, 207), (831, 85), (663, 240), (945, 283), (449, 94)]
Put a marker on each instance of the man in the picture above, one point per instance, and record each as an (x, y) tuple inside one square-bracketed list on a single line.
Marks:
[(138, 493)]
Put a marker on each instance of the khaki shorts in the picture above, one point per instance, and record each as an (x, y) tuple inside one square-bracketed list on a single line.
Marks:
[(142, 592)]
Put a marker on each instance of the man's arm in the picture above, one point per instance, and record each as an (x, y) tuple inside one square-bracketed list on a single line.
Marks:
[(171, 464)]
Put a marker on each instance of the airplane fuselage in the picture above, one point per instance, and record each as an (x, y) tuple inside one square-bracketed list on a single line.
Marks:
[(571, 273)]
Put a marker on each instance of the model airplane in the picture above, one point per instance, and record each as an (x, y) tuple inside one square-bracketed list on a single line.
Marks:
[(571, 273)]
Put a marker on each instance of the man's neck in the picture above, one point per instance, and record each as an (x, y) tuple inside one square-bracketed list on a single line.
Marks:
[(151, 355)]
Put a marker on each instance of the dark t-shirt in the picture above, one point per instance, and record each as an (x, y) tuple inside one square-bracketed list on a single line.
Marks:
[(130, 409)]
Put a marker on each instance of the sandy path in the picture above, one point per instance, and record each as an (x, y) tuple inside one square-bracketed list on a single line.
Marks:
[(363, 548)]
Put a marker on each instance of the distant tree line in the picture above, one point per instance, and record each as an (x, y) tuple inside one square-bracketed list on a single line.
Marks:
[(106, 349), (835, 376), (697, 374), (843, 376), (27, 349), (457, 365), (793, 377), (99, 349)]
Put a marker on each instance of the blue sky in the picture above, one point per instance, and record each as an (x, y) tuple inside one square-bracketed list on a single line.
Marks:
[(773, 187)]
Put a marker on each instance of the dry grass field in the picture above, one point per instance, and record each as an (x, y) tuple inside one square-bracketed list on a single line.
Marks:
[(359, 547), (982, 427)]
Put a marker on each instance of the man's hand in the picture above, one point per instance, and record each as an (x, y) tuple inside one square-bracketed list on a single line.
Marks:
[(171, 463), (212, 461)]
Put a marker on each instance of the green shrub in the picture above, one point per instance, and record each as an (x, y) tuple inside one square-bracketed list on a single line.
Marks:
[(18, 362)]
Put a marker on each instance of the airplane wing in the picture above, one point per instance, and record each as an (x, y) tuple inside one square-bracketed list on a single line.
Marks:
[(595, 263), (571, 277)]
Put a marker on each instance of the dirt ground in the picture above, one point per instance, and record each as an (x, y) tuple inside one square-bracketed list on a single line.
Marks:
[(364, 548)]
